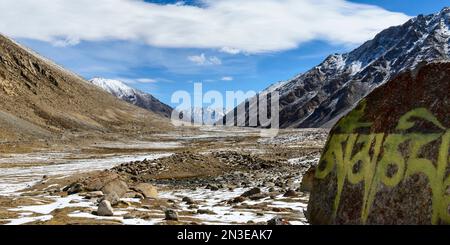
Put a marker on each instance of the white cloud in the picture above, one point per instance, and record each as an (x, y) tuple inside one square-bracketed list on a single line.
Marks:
[(136, 80), (251, 26), (229, 50), (69, 41), (227, 79), (147, 80), (214, 60), (198, 59), (202, 59)]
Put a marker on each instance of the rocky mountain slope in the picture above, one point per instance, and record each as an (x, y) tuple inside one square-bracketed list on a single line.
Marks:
[(320, 96), (133, 96), (40, 100)]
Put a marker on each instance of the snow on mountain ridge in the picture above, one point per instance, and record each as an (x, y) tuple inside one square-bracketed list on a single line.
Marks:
[(115, 87), (133, 96), (327, 91)]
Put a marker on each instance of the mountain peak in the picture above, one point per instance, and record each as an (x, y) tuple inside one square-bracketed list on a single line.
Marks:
[(114, 87), (445, 10), (133, 96), (322, 95)]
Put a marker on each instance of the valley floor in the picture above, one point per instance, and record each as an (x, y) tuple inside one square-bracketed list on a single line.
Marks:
[(204, 175)]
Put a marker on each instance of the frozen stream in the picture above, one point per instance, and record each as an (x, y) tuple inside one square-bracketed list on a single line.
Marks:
[(15, 179)]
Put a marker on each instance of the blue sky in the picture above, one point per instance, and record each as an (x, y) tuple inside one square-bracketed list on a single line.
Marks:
[(164, 65)]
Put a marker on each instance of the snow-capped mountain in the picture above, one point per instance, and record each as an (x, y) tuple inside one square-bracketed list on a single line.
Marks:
[(203, 116), (320, 96), (133, 96)]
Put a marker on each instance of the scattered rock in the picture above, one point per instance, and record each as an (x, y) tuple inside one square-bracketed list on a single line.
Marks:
[(146, 207), (258, 196), (73, 188), (279, 210), (290, 193), (133, 194), (122, 204), (105, 209), (94, 194), (205, 211), (277, 221), (251, 192), (237, 200), (193, 206), (307, 179), (212, 187), (188, 200), (171, 215), (129, 216)]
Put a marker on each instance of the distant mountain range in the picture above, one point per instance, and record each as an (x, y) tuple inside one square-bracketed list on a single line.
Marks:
[(203, 116), (322, 95), (133, 96)]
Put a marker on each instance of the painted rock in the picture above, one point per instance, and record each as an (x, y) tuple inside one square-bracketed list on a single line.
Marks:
[(387, 160)]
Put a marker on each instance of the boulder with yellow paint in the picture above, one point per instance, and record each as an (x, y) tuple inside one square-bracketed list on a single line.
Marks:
[(387, 161)]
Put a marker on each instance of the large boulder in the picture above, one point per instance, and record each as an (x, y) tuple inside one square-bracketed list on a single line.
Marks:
[(98, 180), (105, 181), (112, 198), (116, 186), (147, 190), (387, 161)]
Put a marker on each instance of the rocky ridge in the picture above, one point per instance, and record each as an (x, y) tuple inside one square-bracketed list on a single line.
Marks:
[(320, 96)]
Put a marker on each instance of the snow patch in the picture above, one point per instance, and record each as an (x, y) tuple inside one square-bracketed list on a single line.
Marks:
[(15, 179)]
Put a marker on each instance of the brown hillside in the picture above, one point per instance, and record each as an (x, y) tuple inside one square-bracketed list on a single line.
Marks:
[(40, 100)]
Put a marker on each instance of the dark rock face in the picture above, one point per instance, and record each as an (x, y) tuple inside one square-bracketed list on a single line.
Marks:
[(387, 161), (320, 96), (150, 103)]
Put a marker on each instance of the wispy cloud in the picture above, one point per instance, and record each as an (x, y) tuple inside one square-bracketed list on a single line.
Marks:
[(146, 80), (227, 78), (128, 80), (69, 41), (202, 59), (229, 50), (230, 26)]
